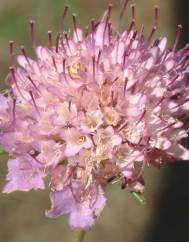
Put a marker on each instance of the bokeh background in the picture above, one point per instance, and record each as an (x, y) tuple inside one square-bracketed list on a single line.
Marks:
[(165, 217)]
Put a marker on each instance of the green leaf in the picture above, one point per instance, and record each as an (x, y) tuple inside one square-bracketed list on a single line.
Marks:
[(2, 151), (139, 196)]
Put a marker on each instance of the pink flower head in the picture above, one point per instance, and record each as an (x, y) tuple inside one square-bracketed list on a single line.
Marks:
[(95, 107)]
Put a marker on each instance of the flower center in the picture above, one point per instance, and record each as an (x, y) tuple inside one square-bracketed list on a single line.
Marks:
[(81, 140), (111, 116), (75, 68)]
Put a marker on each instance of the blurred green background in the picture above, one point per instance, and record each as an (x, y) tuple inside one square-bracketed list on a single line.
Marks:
[(124, 219)]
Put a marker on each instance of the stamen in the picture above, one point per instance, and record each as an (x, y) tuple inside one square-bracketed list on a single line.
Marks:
[(63, 17), (64, 68), (133, 8), (30, 79), (166, 127), (122, 126), (156, 15), (178, 35), (109, 11), (11, 68), (109, 32), (132, 25), (134, 35), (174, 79), (86, 32), (180, 104), (57, 42), (67, 40), (124, 183), (92, 138), (141, 33), (75, 25), (33, 100), (111, 179), (23, 50), (126, 52), (54, 63), (125, 86), (62, 44), (93, 26), (185, 63), (107, 20), (69, 105), (152, 34), (124, 58), (112, 98), (115, 80), (92, 33), (160, 101), (50, 38), (156, 42), (139, 142), (98, 58), (94, 68), (14, 110), (133, 88), (142, 116), (32, 30), (11, 50)]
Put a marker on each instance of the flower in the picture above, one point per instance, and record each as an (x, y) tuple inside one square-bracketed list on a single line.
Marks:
[(93, 108)]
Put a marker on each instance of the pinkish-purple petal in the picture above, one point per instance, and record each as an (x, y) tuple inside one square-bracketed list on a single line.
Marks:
[(62, 203), (22, 176), (85, 214)]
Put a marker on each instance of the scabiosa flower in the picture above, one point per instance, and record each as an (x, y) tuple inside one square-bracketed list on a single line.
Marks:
[(96, 107)]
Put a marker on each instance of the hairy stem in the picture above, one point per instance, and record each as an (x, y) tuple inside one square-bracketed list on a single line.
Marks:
[(79, 235)]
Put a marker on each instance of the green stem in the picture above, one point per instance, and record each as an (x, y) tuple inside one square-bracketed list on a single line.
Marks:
[(79, 235)]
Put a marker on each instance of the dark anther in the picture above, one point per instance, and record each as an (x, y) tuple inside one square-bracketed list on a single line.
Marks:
[(124, 183), (111, 179), (123, 186), (134, 35)]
